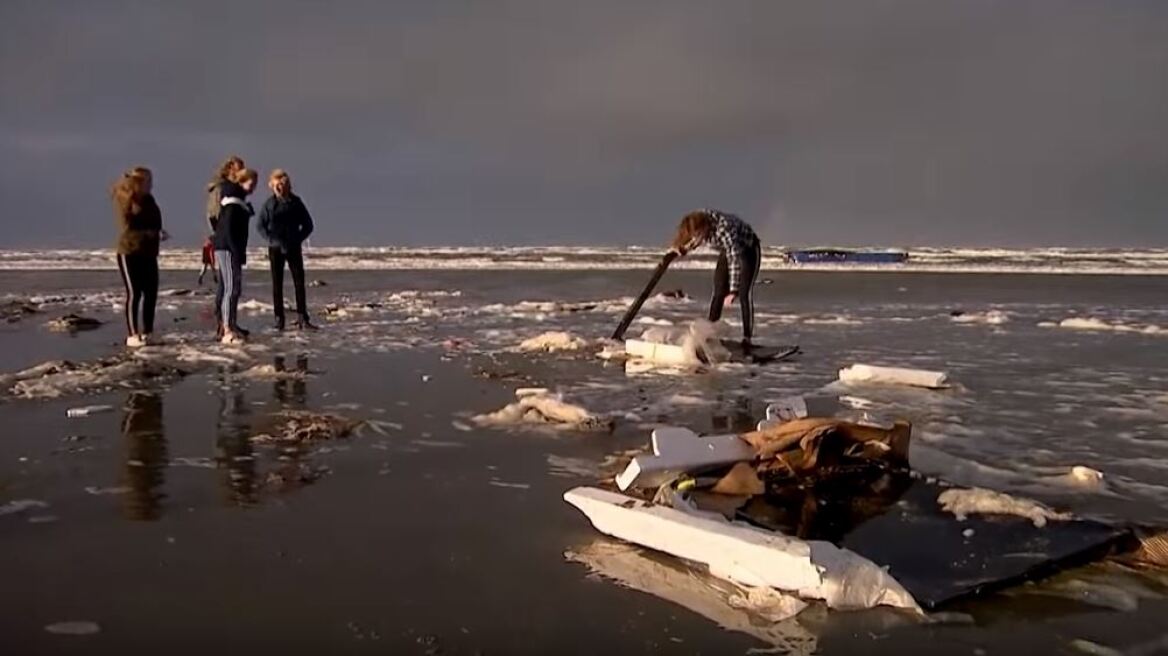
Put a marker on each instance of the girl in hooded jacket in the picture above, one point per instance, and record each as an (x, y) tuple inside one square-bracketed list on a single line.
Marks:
[(739, 259), (139, 234), (230, 242)]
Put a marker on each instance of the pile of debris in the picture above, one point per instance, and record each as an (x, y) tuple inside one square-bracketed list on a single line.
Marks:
[(539, 407), (822, 508), (303, 426)]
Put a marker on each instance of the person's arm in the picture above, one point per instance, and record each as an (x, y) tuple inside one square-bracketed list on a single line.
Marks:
[(264, 224), (306, 224)]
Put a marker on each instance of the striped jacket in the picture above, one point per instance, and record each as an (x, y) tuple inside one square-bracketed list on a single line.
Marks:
[(732, 237)]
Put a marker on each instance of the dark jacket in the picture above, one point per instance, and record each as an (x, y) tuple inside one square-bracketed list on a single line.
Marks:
[(285, 222), (139, 229), (231, 228)]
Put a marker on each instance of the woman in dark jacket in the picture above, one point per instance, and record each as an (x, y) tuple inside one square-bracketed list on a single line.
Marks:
[(285, 223), (139, 233), (230, 241)]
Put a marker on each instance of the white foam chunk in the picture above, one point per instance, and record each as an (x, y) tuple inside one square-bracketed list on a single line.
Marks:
[(744, 554), (658, 352), (866, 373), (679, 450)]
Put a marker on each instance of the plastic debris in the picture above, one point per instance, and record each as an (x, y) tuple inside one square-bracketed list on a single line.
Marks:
[(553, 342), (869, 374), (85, 411), (544, 409), (979, 501)]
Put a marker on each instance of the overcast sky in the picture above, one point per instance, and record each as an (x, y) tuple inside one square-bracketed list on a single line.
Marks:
[(893, 122)]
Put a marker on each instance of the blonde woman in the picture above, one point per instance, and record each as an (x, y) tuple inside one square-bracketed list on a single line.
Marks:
[(285, 223), (739, 259), (139, 234), (230, 242)]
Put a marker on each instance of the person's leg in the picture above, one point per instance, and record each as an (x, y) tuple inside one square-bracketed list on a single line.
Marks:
[(128, 305), (751, 268), (721, 288), (276, 260), (149, 292), (232, 317), (296, 266), (227, 283)]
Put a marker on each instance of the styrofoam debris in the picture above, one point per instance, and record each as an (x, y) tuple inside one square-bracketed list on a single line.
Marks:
[(744, 554), (679, 450), (543, 409), (552, 342), (864, 373)]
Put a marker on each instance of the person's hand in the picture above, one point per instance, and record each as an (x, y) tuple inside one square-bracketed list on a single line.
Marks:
[(163, 235), (730, 299)]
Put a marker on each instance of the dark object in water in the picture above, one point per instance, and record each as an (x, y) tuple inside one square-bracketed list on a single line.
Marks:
[(73, 323), (845, 256), (893, 519), (674, 293), (758, 354), (668, 259)]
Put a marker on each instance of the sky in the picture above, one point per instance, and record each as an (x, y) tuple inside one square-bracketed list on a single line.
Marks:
[(868, 122)]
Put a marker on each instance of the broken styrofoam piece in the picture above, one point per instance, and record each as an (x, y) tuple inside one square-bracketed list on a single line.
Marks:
[(744, 554), (658, 352), (531, 391), (680, 450), (785, 409), (865, 373)]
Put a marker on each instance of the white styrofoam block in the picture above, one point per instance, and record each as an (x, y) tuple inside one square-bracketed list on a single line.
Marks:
[(658, 352), (864, 373), (679, 450), (784, 410), (744, 554)]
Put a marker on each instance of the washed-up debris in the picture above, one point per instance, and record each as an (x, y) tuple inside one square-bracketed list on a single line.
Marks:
[(21, 505), (73, 323), (272, 372), (1152, 549), (691, 345), (870, 374), (978, 501), (58, 378), (553, 342), (292, 476), (74, 628), (85, 411), (545, 409), (306, 426), (318, 283)]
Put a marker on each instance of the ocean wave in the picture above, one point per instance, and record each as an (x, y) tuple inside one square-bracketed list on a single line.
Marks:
[(928, 260)]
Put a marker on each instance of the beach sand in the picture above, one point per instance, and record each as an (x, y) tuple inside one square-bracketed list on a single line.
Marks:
[(166, 526)]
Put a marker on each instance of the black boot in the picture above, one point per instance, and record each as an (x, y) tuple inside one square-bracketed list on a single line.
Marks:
[(279, 325), (305, 324)]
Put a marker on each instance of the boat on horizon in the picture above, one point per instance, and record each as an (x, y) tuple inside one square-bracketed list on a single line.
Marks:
[(846, 256)]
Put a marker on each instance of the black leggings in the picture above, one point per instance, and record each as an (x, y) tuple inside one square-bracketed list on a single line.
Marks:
[(140, 276), (294, 258), (751, 262)]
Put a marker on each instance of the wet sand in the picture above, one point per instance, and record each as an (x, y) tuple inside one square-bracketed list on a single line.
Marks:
[(163, 523)]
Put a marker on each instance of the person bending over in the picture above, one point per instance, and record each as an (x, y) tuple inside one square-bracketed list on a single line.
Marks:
[(739, 259)]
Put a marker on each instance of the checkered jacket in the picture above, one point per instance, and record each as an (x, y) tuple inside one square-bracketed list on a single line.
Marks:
[(732, 237)]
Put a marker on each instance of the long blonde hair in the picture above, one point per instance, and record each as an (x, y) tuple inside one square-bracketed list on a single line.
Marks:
[(277, 176), (694, 228), (128, 192)]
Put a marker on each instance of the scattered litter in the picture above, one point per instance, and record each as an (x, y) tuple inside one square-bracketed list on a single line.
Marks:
[(426, 378), (553, 342), (979, 501), (73, 628), (865, 374), (544, 409), (85, 411), (21, 505), (74, 323)]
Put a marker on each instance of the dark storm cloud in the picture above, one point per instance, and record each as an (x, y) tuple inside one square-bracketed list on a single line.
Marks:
[(896, 122)]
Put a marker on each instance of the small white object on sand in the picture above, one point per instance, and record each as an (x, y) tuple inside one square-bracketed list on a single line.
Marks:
[(545, 409), (85, 411), (553, 342), (979, 501), (865, 373)]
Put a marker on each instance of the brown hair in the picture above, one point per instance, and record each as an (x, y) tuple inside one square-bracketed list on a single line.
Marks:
[(246, 174), (230, 168), (279, 175), (694, 228), (130, 189)]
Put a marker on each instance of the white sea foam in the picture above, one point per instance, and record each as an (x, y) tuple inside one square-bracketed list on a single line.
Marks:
[(989, 317), (961, 260), (1099, 325)]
